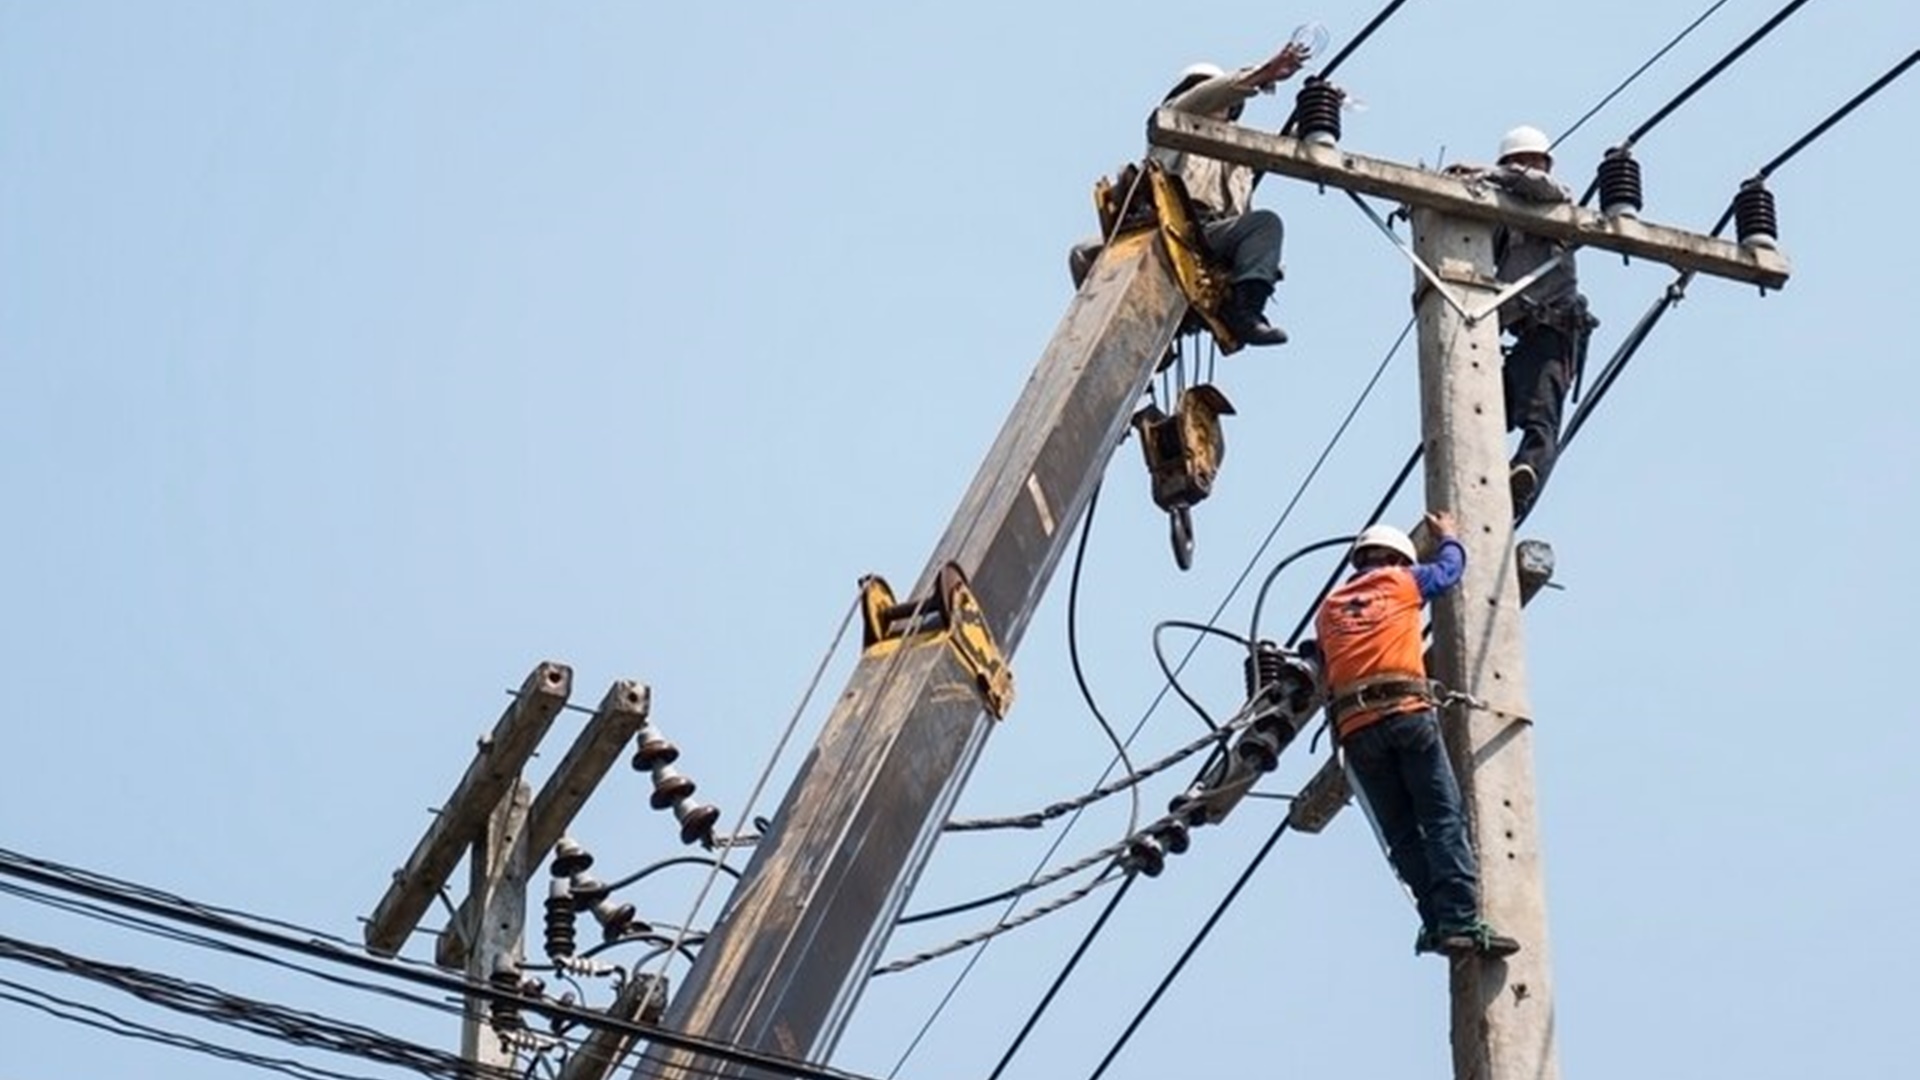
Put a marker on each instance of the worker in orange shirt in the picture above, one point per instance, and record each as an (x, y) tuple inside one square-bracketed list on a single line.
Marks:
[(1381, 705)]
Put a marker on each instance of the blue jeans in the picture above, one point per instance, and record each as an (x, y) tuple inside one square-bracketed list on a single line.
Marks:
[(1400, 766)]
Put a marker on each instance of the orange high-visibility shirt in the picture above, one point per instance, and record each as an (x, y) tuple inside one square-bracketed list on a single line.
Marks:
[(1370, 626)]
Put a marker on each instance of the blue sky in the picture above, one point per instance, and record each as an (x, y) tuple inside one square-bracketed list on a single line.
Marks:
[(362, 355)]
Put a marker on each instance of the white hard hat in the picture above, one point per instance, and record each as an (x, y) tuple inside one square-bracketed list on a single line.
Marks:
[(1386, 536), (1203, 70), (1525, 140)]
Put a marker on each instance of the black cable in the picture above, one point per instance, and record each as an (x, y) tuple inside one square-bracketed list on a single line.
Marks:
[(1073, 652), (1360, 38), (1618, 361), (1639, 71), (1697, 84), (1260, 600), (1677, 290), (1061, 979), (678, 860), (1173, 677), (1713, 72), (114, 1024), (1379, 511), (48, 873), (1192, 947), (1838, 115)]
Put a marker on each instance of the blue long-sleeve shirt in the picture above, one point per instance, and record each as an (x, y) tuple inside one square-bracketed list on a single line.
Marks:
[(1443, 573)]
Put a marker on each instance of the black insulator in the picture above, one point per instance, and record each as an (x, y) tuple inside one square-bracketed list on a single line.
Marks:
[(1620, 193), (1754, 217), (670, 786), (588, 891), (1145, 855), (1264, 667), (569, 858), (615, 919), (697, 820), (1260, 747), (653, 750), (560, 922), (1175, 836), (1189, 806), (505, 1014), (1316, 111)]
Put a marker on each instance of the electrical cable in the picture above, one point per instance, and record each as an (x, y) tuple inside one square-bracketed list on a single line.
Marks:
[(255, 1017), (1073, 657), (1037, 818), (1379, 511), (111, 1023), (1365, 32), (1637, 72), (1060, 980), (1192, 947), (1676, 291), (1260, 599), (1698, 84), (88, 884), (1003, 926), (1836, 116), (1173, 677)]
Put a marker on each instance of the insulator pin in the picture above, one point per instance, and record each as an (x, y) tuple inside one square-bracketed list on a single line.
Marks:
[(1754, 216), (1316, 111), (1620, 191)]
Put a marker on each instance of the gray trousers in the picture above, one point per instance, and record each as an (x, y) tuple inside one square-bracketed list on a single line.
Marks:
[(1250, 243)]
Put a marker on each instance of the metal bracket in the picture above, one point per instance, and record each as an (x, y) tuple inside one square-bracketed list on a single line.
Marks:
[(1500, 299), (1426, 271), (1438, 280), (952, 615)]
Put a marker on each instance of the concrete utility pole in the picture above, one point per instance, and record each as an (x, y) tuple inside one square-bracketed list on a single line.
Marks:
[(1503, 1010)]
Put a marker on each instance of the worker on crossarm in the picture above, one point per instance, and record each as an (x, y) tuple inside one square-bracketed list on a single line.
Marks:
[(1549, 320), (1246, 240), (1382, 709)]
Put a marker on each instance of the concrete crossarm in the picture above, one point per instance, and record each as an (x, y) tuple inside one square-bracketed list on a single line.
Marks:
[(1339, 168)]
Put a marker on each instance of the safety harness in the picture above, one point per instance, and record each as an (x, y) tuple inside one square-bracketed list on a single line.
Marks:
[(1378, 691)]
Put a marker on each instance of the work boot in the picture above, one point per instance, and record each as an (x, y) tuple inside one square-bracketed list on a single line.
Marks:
[(1245, 314), (1524, 483), (1474, 939)]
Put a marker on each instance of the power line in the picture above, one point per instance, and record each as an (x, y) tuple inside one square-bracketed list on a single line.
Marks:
[(1713, 72), (1639, 71), (1192, 947), (1359, 39), (84, 883), (1060, 980), (1073, 657), (1838, 114), (1676, 291), (251, 1015), (1697, 84)]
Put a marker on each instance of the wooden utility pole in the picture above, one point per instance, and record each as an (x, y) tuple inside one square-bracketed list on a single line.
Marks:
[(1502, 1010)]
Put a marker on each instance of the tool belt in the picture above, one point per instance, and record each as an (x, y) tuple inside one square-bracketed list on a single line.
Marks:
[(1377, 692)]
